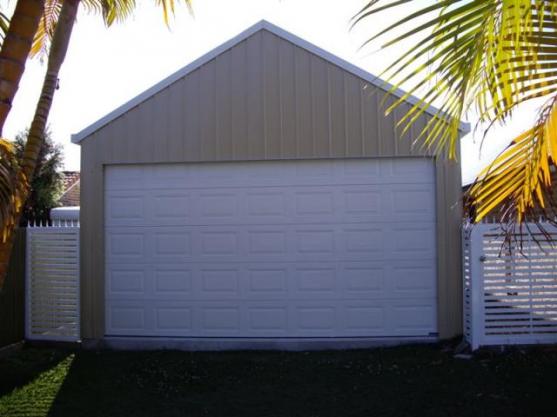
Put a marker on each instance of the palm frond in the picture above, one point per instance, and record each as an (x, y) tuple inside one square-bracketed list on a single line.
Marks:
[(489, 56), (46, 28), (4, 25), (119, 10), (518, 181), (11, 185), (169, 6), (111, 10)]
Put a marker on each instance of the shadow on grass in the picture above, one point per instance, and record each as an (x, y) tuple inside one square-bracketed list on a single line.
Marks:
[(21, 368), (107, 384), (406, 381)]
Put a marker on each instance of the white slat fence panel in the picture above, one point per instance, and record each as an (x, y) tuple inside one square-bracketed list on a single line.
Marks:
[(52, 283), (510, 293)]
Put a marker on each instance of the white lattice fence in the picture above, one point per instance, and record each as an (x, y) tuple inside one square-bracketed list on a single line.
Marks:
[(52, 283), (510, 294)]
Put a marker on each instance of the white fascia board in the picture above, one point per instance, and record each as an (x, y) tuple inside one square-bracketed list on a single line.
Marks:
[(281, 33)]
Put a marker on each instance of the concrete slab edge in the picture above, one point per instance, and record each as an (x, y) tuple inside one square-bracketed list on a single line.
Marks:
[(213, 344)]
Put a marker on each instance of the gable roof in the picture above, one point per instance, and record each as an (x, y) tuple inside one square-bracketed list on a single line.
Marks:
[(262, 25)]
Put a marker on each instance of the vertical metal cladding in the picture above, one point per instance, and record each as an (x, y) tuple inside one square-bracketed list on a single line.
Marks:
[(265, 98)]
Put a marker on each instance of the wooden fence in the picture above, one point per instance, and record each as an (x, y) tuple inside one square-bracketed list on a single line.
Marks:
[(12, 295)]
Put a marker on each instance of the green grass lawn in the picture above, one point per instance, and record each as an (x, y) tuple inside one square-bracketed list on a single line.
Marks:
[(401, 381)]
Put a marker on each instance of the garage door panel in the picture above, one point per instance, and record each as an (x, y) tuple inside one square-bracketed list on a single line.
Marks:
[(219, 243), (416, 202), (414, 318), (412, 241), (287, 205), (271, 281), (126, 245), (366, 318), (127, 279), (218, 204), (363, 279), (268, 319), (316, 319), (388, 317), (171, 319), (270, 173), (326, 318), (220, 282), (170, 244), (267, 241), (268, 280), (271, 249), (314, 281), (267, 205), (356, 242), (126, 317), (413, 281), (172, 281), (221, 320), (126, 208), (125, 177), (421, 169), (385, 242), (173, 208)]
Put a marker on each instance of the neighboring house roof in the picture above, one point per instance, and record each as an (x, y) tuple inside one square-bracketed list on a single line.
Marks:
[(70, 178), (70, 195), (262, 25)]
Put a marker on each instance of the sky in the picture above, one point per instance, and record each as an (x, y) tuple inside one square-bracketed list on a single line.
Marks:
[(106, 67)]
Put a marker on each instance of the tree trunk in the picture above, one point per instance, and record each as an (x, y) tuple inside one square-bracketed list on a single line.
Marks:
[(58, 49), (56, 56), (15, 50)]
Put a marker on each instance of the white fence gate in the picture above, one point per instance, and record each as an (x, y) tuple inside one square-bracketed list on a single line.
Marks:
[(510, 294), (52, 283)]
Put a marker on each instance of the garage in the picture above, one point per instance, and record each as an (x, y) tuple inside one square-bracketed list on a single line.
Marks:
[(260, 193), (271, 249)]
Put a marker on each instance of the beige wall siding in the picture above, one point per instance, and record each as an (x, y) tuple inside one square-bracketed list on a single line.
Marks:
[(263, 99)]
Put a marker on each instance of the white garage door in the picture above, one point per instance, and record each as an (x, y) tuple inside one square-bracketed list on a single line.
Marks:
[(330, 248)]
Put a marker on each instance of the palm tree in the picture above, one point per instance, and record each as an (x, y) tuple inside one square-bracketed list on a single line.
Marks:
[(15, 49), (28, 31), (63, 25), (13, 54), (489, 56), (26, 34)]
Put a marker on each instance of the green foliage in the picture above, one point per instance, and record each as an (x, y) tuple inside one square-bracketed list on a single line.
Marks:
[(10, 187), (47, 183)]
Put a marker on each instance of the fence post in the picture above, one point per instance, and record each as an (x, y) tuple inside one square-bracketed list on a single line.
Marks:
[(28, 281), (477, 258)]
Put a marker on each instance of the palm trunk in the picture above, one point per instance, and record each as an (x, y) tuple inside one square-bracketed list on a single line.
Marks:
[(35, 139), (15, 50), (56, 56)]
